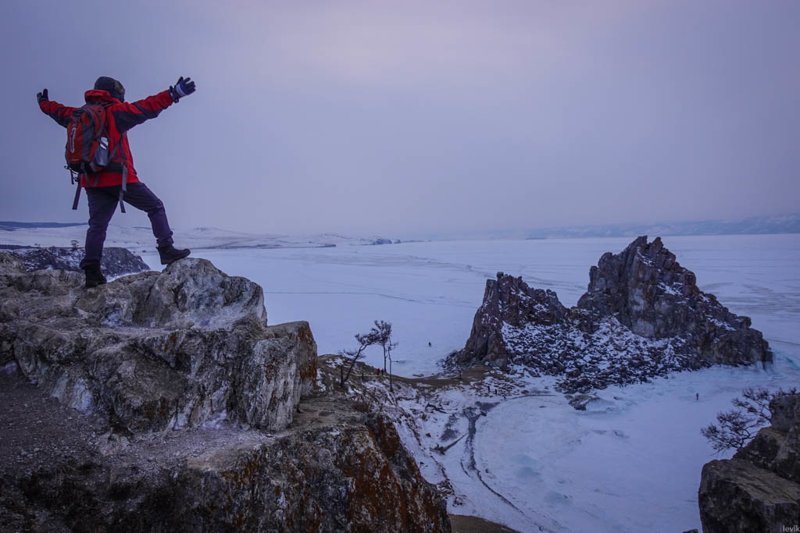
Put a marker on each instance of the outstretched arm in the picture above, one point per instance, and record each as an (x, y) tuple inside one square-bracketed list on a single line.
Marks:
[(130, 115), (59, 113)]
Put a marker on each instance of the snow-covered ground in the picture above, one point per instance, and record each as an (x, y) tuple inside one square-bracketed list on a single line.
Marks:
[(630, 462)]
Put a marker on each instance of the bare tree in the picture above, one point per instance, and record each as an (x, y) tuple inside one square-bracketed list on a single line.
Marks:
[(389, 347), (735, 428), (380, 334), (364, 341)]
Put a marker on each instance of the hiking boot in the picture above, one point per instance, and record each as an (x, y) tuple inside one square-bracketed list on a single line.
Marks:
[(94, 276), (169, 254)]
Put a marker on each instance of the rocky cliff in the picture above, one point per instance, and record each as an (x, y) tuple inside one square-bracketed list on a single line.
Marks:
[(164, 401), (642, 316), (759, 488)]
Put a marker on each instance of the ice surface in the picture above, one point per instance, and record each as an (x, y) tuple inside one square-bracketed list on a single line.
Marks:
[(631, 462)]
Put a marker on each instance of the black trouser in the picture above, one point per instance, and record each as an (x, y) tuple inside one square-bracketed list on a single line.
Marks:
[(102, 204)]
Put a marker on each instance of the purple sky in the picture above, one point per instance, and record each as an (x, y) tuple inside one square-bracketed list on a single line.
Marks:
[(419, 117)]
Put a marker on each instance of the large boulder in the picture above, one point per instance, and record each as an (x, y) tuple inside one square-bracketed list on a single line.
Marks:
[(154, 350), (759, 488), (642, 316)]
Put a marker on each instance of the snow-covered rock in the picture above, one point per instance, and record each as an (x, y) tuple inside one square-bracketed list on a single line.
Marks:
[(116, 261), (642, 316)]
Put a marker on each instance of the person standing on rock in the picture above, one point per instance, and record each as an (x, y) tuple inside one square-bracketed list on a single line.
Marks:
[(118, 181)]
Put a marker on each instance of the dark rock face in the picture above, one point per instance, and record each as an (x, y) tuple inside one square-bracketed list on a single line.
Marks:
[(759, 488), (642, 316), (115, 262), (178, 411), (359, 478), (651, 294), (508, 300), (333, 469)]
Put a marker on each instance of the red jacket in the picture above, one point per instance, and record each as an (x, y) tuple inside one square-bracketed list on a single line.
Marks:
[(121, 117)]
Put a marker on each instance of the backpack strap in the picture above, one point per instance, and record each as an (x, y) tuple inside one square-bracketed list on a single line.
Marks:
[(77, 195), (76, 178), (124, 188)]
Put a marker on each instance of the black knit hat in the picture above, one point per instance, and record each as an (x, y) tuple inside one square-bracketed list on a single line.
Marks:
[(115, 88)]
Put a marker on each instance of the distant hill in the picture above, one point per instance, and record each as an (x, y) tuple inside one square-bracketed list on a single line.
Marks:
[(11, 226), (54, 233), (745, 226)]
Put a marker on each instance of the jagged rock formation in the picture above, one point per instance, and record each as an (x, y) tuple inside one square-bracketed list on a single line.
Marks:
[(115, 262), (186, 414), (651, 294), (759, 488), (508, 303), (642, 316)]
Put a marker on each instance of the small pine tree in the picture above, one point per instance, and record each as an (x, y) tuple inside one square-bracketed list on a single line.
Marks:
[(736, 427)]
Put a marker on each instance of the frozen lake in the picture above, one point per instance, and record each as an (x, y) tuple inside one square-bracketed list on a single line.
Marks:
[(630, 464)]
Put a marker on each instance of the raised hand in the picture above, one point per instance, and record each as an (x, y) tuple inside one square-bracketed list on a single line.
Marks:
[(183, 87), (42, 96)]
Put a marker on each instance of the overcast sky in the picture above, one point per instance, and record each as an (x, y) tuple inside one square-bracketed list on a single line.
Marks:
[(414, 117)]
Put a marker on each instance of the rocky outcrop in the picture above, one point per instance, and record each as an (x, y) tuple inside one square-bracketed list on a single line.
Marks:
[(180, 409), (650, 293), (153, 351), (759, 488), (642, 316), (115, 262), (508, 303)]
